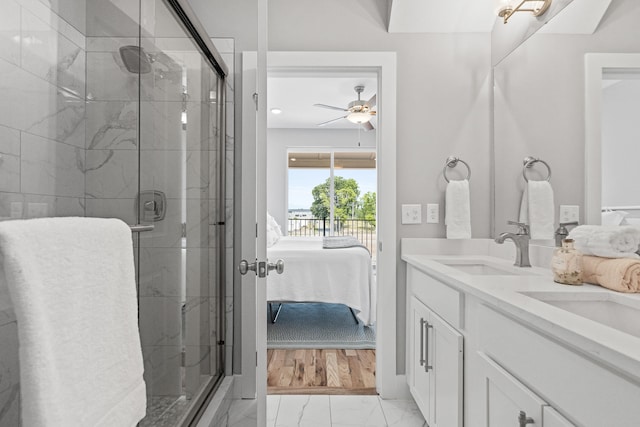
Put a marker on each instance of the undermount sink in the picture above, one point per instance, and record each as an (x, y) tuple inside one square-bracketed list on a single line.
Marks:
[(617, 311), (478, 267)]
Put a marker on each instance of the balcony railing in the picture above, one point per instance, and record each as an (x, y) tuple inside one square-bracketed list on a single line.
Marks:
[(362, 229)]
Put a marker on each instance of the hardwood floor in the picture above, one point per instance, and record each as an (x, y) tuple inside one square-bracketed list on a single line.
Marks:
[(326, 371)]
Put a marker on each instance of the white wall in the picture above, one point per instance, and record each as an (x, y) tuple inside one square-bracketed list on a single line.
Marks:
[(280, 140), (539, 107), (443, 89), (620, 147)]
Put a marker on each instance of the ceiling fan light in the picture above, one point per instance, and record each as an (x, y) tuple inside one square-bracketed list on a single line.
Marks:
[(358, 117)]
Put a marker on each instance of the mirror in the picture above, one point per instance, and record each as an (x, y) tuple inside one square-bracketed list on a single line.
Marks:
[(540, 110)]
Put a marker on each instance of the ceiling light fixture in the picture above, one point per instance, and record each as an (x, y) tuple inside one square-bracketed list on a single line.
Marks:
[(358, 117), (276, 110), (539, 8)]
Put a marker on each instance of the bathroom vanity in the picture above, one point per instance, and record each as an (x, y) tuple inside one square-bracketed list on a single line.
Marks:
[(491, 344)]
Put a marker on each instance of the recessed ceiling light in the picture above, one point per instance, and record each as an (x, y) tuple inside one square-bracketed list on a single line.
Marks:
[(276, 110), (293, 159)]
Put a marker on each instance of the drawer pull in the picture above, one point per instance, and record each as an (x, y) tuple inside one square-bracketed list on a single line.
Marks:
[(426, 350), (422, 361), (524, 420)]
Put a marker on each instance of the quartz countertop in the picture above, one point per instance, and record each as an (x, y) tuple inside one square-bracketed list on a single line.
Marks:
[(618, 350)]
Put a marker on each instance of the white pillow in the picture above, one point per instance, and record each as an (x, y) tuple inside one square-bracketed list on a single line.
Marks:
[(272, 237), (272, 223)]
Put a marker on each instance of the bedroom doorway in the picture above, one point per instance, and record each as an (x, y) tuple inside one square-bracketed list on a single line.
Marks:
[(322, 182)]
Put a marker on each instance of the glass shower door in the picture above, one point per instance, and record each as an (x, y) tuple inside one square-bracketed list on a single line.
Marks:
[(179, 259), (154, 113)]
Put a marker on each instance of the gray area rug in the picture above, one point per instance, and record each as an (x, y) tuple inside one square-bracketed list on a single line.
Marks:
[(318, 325)]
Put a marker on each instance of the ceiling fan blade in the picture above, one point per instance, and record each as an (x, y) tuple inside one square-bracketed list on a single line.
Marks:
[(372, 102), (367, 126), (331, 121), (330, 107)]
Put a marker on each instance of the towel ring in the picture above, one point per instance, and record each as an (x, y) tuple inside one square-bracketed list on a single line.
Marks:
[(529, 162), (452, 162)]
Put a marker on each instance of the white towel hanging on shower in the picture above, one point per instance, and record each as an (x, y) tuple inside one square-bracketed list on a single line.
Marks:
[(72, 284)]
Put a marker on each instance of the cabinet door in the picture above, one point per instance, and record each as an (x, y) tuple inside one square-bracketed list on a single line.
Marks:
[(447, 361), (551, 418), (420, 376), (506, 399)]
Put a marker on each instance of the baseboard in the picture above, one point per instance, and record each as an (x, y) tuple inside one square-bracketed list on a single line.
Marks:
[(399, 390)]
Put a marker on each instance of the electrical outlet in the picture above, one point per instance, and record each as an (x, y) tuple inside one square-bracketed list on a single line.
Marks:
[(569, 213), (412, 214), (433, 213)]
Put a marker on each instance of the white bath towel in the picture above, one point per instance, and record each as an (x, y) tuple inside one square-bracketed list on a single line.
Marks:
[(537, 209), (72, 285), (610, 241), (457, 216)]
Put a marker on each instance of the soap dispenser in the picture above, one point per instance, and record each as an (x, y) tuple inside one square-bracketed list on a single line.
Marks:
[(566, 264)]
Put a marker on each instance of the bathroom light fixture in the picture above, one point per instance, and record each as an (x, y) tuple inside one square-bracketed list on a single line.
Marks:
[(359, 117), (537, 9), (276, 110)]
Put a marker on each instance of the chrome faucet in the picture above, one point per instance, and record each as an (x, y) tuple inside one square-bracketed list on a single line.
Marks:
[(521, 240), (562, 233)]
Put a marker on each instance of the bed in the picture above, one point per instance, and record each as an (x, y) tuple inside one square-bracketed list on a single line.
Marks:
[(313, 274)]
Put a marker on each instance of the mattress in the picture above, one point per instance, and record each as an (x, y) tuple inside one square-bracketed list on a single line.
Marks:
[(314, 274)]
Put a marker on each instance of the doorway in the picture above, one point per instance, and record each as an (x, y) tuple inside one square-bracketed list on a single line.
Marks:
[(305, 140), (253, 302)]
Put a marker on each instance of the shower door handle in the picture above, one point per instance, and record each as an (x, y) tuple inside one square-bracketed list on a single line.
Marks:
[(139, 228)]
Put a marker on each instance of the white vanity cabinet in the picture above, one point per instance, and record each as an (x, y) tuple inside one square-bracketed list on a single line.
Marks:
[(572, 387), (508, 402), (435, 362)]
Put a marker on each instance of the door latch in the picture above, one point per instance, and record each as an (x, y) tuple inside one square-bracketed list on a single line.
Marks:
[(261, 268)]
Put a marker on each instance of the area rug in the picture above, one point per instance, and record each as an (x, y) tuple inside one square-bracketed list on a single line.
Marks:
[(318, 325)]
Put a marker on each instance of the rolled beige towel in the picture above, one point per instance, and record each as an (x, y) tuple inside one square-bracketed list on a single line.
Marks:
[(618, 274)]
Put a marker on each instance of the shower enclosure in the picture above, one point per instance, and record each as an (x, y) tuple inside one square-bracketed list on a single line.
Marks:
[(116, 108)]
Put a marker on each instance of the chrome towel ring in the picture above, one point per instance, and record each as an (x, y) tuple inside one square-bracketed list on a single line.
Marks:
[(452, 162), (529, 161)]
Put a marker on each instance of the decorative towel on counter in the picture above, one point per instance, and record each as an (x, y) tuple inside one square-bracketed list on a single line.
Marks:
[(337, 242), (537, 209), (457, 215), (611, 241), (72, 284), (618, 274)]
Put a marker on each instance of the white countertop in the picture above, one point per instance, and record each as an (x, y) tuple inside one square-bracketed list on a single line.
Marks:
[(618, 350)]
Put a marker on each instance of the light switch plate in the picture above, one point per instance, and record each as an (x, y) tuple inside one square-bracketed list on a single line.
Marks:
[(412, 214), (433, 213), (569, 213)]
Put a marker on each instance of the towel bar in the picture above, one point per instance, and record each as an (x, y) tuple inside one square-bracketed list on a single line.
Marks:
[(529, 161), (452, 162)]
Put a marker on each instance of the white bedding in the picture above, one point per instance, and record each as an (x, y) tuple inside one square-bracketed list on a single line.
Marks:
[(314, 274)]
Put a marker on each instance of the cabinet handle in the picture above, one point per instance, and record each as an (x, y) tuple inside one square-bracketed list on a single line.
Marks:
[(426, 349), (524, 420), (422, 322)]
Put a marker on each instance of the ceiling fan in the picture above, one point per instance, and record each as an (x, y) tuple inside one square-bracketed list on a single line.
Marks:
[(358, 111)]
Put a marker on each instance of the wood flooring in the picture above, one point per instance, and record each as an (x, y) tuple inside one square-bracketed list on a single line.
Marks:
[(325, 371)]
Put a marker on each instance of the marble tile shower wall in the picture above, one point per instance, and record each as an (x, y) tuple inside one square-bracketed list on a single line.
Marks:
[(67, 147), (42, 137)]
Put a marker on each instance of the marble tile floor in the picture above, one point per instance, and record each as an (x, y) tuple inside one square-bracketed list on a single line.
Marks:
[(324, 410)]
